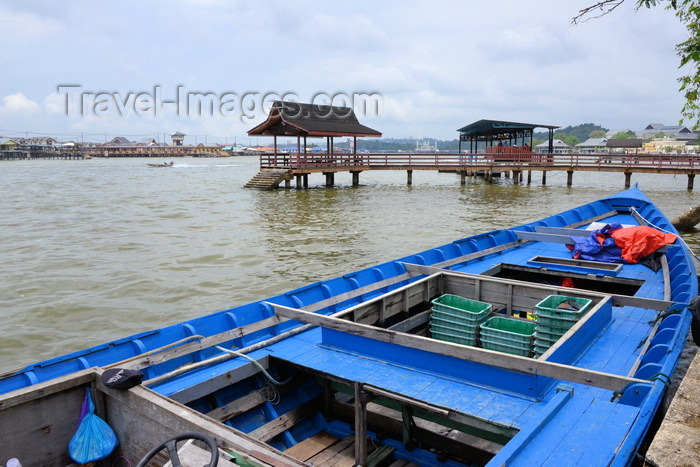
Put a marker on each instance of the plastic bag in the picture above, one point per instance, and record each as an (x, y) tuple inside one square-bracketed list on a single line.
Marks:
[(94, 439)]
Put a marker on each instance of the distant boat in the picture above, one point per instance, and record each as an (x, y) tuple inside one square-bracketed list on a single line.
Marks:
[(164, 164)]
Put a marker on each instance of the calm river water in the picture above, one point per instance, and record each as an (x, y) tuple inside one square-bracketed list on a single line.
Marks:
[(99, 249)]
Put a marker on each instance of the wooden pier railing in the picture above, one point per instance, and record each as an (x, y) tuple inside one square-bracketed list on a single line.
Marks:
[(514, 161), (300, 165)]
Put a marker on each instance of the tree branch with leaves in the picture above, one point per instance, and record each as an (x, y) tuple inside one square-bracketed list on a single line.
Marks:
[(688, 12)]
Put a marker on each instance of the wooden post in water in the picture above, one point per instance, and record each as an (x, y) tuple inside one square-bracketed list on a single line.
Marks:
[(355, 177), (569, 177), (516, 177), (299, 181), (628, 177), (529, 177), (463, 177), (544, 177), (330, 178), (691, 179), (409, 174)]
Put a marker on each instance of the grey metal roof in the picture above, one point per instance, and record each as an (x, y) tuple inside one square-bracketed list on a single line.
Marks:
[(625, 143), (498, 127)]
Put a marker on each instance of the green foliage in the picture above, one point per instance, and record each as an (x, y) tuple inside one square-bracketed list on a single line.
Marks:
[(597, 134)]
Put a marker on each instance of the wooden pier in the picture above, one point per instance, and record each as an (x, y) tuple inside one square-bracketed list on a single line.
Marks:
[(42, 154), (298, 166)]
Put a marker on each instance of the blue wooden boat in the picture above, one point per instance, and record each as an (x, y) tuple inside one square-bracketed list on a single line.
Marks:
[(496, 349)]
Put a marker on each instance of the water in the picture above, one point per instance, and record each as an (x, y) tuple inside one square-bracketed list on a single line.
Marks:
[(100, 249)]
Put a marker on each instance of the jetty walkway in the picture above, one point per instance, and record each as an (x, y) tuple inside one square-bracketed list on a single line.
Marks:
[(278, 168)]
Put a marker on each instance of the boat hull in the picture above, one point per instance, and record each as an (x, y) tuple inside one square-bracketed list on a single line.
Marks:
[(367, 354)]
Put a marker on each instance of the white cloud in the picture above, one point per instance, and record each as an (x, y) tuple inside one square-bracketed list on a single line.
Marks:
[(55, 104), (18, 104)]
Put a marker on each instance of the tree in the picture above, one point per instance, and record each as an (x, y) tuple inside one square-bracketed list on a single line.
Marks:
[(597, 134), (688, 12)]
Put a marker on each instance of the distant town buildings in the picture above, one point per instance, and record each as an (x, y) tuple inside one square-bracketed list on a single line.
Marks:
[(654, 138)]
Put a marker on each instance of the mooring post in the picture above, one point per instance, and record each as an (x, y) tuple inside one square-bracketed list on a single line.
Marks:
[(529, 177), (355, 178), (628, 177), (463, 177), (544, 177), (306, 180), (516, 177), (569, 177), (409, 174), (691, 179)]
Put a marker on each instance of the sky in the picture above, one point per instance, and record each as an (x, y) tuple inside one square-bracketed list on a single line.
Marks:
[(86, 70)]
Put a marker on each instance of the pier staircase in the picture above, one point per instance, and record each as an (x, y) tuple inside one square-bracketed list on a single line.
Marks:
[(267, 179)]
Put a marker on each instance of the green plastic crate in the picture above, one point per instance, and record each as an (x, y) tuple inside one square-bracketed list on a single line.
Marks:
[(469, 333), (546, 338), (522, 349), (460, 309), (447, 336), (549, 307), (540, 348), (450, 324), (507, 335), (549, 333), (555, 322)]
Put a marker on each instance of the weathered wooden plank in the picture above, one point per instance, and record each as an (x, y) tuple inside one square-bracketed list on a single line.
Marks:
[(360, 424), (411, 323), (500, 360), (57, 385), (285, 421), (618, 300), (543, 237), (157, 356), (237, 407), (36, 425), (212, 384), (141, 410), (324, 457), (389, 420), (478, 254), (312, 446)]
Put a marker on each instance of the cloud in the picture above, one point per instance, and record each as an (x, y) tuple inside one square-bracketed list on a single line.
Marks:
[(55, 104), (18, 104), (20, 25)]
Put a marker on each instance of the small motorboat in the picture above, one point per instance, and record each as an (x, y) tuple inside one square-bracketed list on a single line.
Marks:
[(164, 164)]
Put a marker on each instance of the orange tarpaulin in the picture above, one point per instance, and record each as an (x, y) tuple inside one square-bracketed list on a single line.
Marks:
[(638, 242)]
